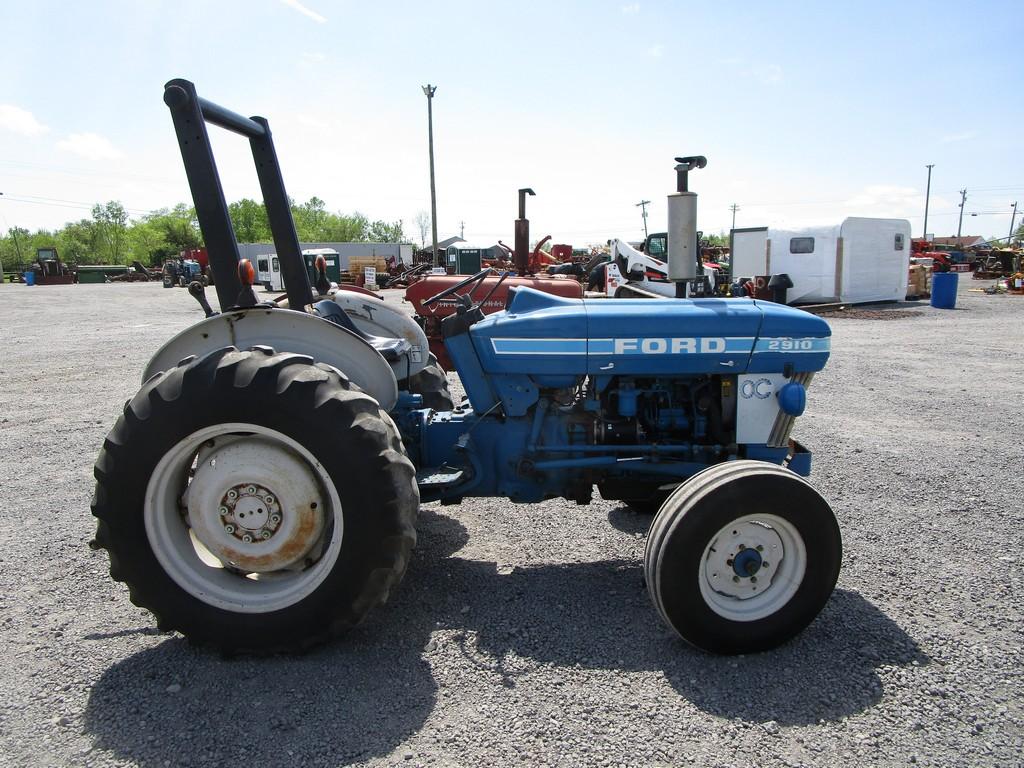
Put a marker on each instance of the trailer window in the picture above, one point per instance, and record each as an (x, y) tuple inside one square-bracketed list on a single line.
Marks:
[(801, 245), (899, 241), (277, 265), (261, 265)]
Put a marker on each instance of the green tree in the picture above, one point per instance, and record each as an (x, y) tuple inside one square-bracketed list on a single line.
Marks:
[(145, 242), (315, 224), (250, 221), (381, 231), (177, 227), (111, 223), (14, 248), (312, 220), (347, 228), (77, 241)]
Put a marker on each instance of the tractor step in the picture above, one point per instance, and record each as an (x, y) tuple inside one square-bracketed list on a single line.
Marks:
[(437, 477)]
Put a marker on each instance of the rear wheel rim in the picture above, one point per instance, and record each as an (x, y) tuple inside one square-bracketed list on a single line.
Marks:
[(752, 567), (248, 542)]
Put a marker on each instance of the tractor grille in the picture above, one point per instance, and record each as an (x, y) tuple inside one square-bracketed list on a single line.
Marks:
[(779, 437)]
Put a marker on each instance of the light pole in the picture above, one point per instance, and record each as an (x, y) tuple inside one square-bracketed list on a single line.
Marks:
[(429, 90), (963, 199), (927, 194), (734, 208), (642, 205), (1013, 218)]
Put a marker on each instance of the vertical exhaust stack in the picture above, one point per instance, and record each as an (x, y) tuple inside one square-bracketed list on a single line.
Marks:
[(682, 225), (521, 255)]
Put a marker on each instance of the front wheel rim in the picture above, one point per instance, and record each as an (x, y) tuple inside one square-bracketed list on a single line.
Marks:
[(752, 567), (215, 555)]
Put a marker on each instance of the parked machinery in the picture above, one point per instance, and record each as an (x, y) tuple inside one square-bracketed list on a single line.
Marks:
[(48, 269), (260, 491), (527, 267)]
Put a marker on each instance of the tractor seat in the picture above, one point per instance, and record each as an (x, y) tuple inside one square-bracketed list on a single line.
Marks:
[(389, 348)]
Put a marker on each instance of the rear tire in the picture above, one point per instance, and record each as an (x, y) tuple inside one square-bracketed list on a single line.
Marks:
[(432, 384), (255, 502), (742, 557)]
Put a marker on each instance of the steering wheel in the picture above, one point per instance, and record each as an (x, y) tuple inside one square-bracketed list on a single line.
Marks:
[(479, 276)]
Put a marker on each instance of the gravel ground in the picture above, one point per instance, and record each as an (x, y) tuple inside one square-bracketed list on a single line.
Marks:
[(522, 633)]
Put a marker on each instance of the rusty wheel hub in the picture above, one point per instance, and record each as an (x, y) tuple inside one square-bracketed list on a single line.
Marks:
[(255, 505)]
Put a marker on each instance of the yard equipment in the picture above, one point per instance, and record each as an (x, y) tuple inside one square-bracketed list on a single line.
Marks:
[(527, 266), (260, 491), (431, 316), (48, 268)]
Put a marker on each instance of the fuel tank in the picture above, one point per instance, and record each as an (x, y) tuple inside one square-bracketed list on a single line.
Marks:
[(543, 334)]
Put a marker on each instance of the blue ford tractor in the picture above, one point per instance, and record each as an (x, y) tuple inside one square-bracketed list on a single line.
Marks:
[(260, 492)]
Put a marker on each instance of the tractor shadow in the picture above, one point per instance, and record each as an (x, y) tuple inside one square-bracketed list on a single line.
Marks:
[(361, 697)]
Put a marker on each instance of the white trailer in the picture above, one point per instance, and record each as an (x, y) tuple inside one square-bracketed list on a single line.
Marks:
[(859, 260), (268, 272)]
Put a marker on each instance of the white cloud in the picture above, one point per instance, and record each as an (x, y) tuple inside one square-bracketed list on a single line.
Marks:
[(310, 121), (632, 9), (769, 74), (311, 57), (305, 11), (887, 196), (20, 121), (89, 145), (950, 138), (656, 50)]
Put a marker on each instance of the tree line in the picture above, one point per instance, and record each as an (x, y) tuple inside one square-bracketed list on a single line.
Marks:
[(110, 236)]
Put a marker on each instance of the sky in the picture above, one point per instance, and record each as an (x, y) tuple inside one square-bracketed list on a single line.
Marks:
[(807, 112)]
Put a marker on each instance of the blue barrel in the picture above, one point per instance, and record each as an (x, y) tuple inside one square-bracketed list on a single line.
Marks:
[(944, 289), (30, 278)]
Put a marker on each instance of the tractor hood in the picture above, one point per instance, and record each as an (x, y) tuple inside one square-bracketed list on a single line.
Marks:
[(543, 334)]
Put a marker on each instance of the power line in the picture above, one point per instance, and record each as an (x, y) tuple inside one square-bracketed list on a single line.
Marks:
[(59, 203)]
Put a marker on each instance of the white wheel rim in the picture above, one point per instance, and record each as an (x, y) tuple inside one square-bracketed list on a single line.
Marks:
[(203, 549), (752, 567)]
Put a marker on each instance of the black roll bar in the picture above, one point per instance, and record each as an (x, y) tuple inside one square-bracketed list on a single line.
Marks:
[(190, 113)]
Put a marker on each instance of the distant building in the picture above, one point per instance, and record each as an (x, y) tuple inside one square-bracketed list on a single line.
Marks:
[(442, 246), (400, 252), (965, 241)]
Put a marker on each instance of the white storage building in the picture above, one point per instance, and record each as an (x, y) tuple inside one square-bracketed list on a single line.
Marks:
[(860, 260)]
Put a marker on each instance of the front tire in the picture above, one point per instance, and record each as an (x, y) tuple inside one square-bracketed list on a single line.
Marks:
[(742, 557), (255, 502), (432, 383)]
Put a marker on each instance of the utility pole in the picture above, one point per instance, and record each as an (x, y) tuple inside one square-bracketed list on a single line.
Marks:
[(734, 208), (927, 194), (462, 230), (1013, 218), (429, 90), (963, 199), (642, 205)]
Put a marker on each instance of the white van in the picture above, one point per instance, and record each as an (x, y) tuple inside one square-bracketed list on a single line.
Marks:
[(268, 272)]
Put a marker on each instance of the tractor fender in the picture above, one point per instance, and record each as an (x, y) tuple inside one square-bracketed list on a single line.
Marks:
[(285, 331), (378, 318)]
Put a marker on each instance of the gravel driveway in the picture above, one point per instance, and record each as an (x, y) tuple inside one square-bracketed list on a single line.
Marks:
[(522, 634)]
